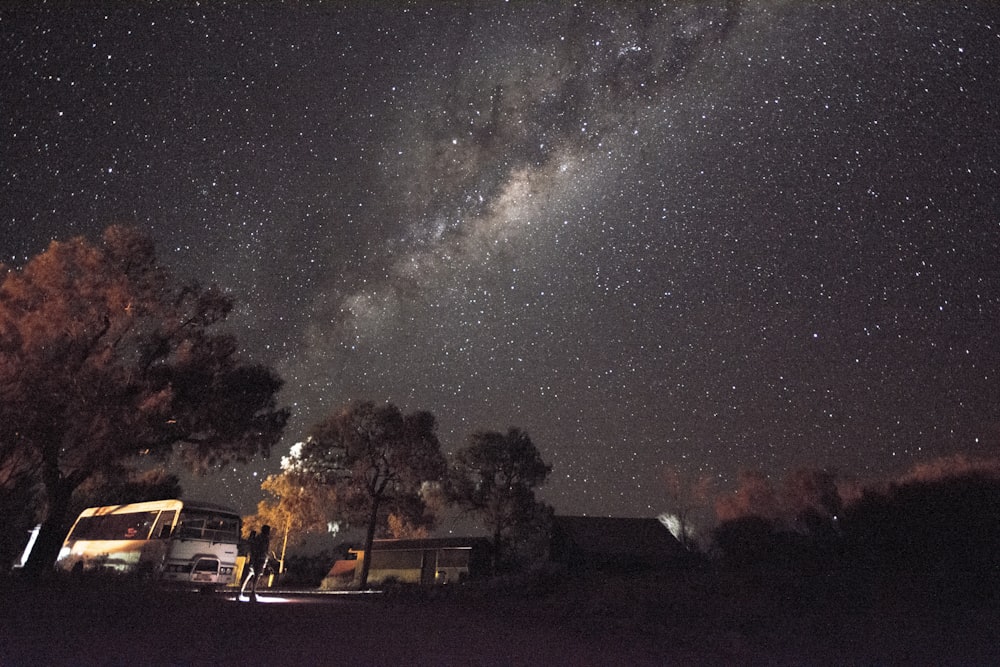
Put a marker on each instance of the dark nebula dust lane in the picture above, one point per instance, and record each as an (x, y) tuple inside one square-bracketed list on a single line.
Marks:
[(704, 236)]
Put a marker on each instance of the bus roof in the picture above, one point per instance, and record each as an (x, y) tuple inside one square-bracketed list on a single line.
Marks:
[(155, 505)]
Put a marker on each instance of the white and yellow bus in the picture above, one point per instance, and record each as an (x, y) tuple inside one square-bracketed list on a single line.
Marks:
[(169, 540)]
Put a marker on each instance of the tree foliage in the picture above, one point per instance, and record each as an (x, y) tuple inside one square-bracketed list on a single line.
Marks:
[(806, 498), (948, 527), (135, 486), (107, 363), (294, 509), (378, 461), (291, 503), (495, 477), (937, 527)]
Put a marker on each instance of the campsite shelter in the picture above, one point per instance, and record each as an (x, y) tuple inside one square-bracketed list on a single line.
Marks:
[(576, 542), (427, 562)]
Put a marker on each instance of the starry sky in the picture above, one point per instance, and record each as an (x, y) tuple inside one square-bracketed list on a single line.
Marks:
[(706, 236)]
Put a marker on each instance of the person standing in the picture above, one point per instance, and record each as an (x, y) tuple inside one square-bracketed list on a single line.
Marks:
[(247, 568), (260, 549)]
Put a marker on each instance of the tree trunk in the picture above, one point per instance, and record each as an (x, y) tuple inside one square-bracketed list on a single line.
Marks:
[(284, 545), (59, 492), (369, 540), (497, 546)]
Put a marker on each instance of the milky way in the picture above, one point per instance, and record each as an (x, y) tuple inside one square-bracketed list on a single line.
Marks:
[(692, 235)]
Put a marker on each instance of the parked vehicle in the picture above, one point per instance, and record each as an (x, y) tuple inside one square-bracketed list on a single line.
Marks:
[(167, 540)]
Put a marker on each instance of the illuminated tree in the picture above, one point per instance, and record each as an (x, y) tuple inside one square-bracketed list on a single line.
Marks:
[(401, 529), (378, 461), (494, 477), (295, 509), (108, 364), (755, 496)]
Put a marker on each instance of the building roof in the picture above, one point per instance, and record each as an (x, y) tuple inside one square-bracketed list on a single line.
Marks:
[(427, 543)]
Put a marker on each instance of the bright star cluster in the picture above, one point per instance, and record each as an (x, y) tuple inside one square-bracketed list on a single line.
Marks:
[(708, 236)]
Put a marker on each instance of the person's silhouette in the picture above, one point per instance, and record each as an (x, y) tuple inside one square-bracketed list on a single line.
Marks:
[(260, 547)]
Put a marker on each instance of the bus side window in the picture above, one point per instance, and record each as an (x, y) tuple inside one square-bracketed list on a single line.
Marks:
[(161, 530), (191, 528)]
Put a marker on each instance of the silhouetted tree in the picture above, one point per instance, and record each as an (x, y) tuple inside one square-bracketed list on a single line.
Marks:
[(128, 486), (812, 501), (809, 500), (746, 540), (947, 529), (793, 526), (377, 460), (107, 362), (495, 477)]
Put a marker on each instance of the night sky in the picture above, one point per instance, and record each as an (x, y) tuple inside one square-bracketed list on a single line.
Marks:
[(692, 235)]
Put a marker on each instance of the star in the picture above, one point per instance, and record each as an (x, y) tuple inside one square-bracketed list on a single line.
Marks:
[(714, 238)]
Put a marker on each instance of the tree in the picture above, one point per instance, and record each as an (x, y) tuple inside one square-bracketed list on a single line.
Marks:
[(943, 524), (812, 501), (749, 540), (108, 364), (294, 507), (495, 477), (134, 486), (378, 462), (685, 498), (755, 496), (808, 501)]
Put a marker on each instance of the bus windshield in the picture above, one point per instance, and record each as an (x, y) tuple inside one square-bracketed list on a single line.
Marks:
[(131, 526)]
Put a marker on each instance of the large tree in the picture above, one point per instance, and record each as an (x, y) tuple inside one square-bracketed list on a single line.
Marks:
[(108, 363), (494, 477), (379, 462)]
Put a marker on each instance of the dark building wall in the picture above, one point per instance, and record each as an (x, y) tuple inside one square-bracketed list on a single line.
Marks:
[(612, 543)]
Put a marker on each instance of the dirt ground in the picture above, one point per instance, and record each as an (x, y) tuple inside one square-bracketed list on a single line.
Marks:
[(173, 628), (617, 625)]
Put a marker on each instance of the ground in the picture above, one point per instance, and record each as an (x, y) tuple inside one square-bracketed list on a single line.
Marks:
[(110, 628), (624, 621)]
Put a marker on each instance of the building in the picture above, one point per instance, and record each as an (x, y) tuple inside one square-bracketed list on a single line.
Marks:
[(576, 542), (431, 561), (607, 543)]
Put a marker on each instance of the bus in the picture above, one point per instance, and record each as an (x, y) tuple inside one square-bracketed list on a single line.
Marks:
[(168, 540)]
